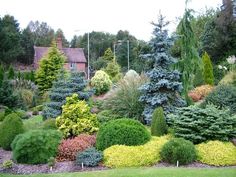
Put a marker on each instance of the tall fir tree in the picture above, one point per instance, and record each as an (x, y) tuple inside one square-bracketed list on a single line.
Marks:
[(49, 67), (108, 55), (207, 69), (65, 86), (164, 87)]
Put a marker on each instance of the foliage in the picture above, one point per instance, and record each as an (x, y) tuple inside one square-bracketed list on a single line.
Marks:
[(178, 149), (223, 96), (10, 47), (124, 99), (90, 157), (217, 153), (200, 92), (135, 156), (199, 125), (164, 86), (49, 124), (22, 114), (36, 146), (26, 97), (229, 78), (113, 70), (51, 162), (69, 148), (131, 74), (9, 129), (122, 132), (76, 118), (63, 87), (108, 55), (207, 69), (49, 67), (11, 73), (1, 74), (158, 125), (106, 115), (7, 164), (7, 96), (33, 123), (2, 116), (101, 82), (198, 79)]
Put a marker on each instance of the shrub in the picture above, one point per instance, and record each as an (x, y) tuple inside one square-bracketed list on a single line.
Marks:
[(135, 156), (101, 82), (200, 92), (10, 127), (158, 125), (2, 115), (121, 132), (49, 124), (207, 69), (22, 114), (106, 115), (223, 96), (124, 100), (69, 148), (36, 146), (113, 70), (199, 125), (26, 97), (131, 74), (76, 118), (11, 73), (7, 164), (229, 78), (217, 153), (178, 149), (90, 157)]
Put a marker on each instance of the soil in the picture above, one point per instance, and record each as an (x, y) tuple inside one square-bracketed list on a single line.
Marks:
[(70, 166)]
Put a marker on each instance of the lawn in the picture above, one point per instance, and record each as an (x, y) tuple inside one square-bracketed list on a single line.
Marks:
[(145, 172)]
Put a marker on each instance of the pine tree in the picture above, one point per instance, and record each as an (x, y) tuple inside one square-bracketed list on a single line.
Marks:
[(113, 70), (207, 69), (164, 86), (158, 126), (11, 73), (63, 87), (49, 67), (108, 55)]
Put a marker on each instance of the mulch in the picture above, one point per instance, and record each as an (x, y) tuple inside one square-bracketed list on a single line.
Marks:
[(70, 166)]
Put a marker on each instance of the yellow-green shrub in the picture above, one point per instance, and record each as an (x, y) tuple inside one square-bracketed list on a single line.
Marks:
[(217, 153), (135, 156)]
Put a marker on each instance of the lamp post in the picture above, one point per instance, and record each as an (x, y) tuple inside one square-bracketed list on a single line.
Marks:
[(119, 43)]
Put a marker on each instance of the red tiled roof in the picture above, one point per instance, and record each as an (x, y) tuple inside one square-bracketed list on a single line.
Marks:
[(74, 55)]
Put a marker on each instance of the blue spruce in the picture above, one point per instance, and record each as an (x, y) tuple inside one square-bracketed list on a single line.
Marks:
[(164, 83), (65, 86)]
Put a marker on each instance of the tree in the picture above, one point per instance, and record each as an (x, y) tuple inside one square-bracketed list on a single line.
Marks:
[(113, 70), (64, 87), (164, 86), (108, 55), (208, 69), (158, 126), (49, 67), (11, 73), (59, 33), (1, 74), (189, 61), (10, 47), (74, 43)]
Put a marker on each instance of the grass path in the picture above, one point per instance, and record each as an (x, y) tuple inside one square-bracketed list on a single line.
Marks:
[(144, 172)]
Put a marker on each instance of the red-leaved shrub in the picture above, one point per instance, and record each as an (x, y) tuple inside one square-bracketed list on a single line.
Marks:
[(200, 92), (69, 148)]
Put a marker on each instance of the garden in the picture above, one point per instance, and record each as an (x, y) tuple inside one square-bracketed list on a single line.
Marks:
[(174, 118)]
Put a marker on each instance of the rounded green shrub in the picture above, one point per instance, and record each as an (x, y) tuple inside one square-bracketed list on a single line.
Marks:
[(178, 149), (122, 132), (158, 125), (217, 153), (106, 115), (22, 114), (90, 157), (101, 82), (49, 124), (10, 127), (36, 146)]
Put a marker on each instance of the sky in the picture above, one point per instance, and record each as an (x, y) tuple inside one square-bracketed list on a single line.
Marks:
[(75, 17)]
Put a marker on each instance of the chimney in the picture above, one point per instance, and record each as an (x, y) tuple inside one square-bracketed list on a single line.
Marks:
[(59, 42)]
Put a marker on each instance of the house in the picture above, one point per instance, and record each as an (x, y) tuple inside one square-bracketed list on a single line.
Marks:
[(76, 60)]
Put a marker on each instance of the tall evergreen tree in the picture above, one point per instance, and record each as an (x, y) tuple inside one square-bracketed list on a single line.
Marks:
[(108, 55), (63, 87), (49, 67), (163, 88), (207, 69)]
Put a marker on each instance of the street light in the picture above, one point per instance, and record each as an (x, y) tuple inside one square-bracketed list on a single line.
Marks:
[(119, 42)]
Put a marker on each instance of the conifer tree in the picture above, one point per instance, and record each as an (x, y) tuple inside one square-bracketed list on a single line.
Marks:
[(49, 67), (163, 87), (65, 86), (108, 55), (207, 69), (158, 126), (11, 73)]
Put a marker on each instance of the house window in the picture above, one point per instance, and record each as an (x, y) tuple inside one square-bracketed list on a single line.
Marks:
[(72, 66)]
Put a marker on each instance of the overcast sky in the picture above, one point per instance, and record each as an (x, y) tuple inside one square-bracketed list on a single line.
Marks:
[(78, 16)]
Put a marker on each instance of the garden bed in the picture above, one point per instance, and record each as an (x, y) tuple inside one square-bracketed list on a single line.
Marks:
[(70, 166)]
